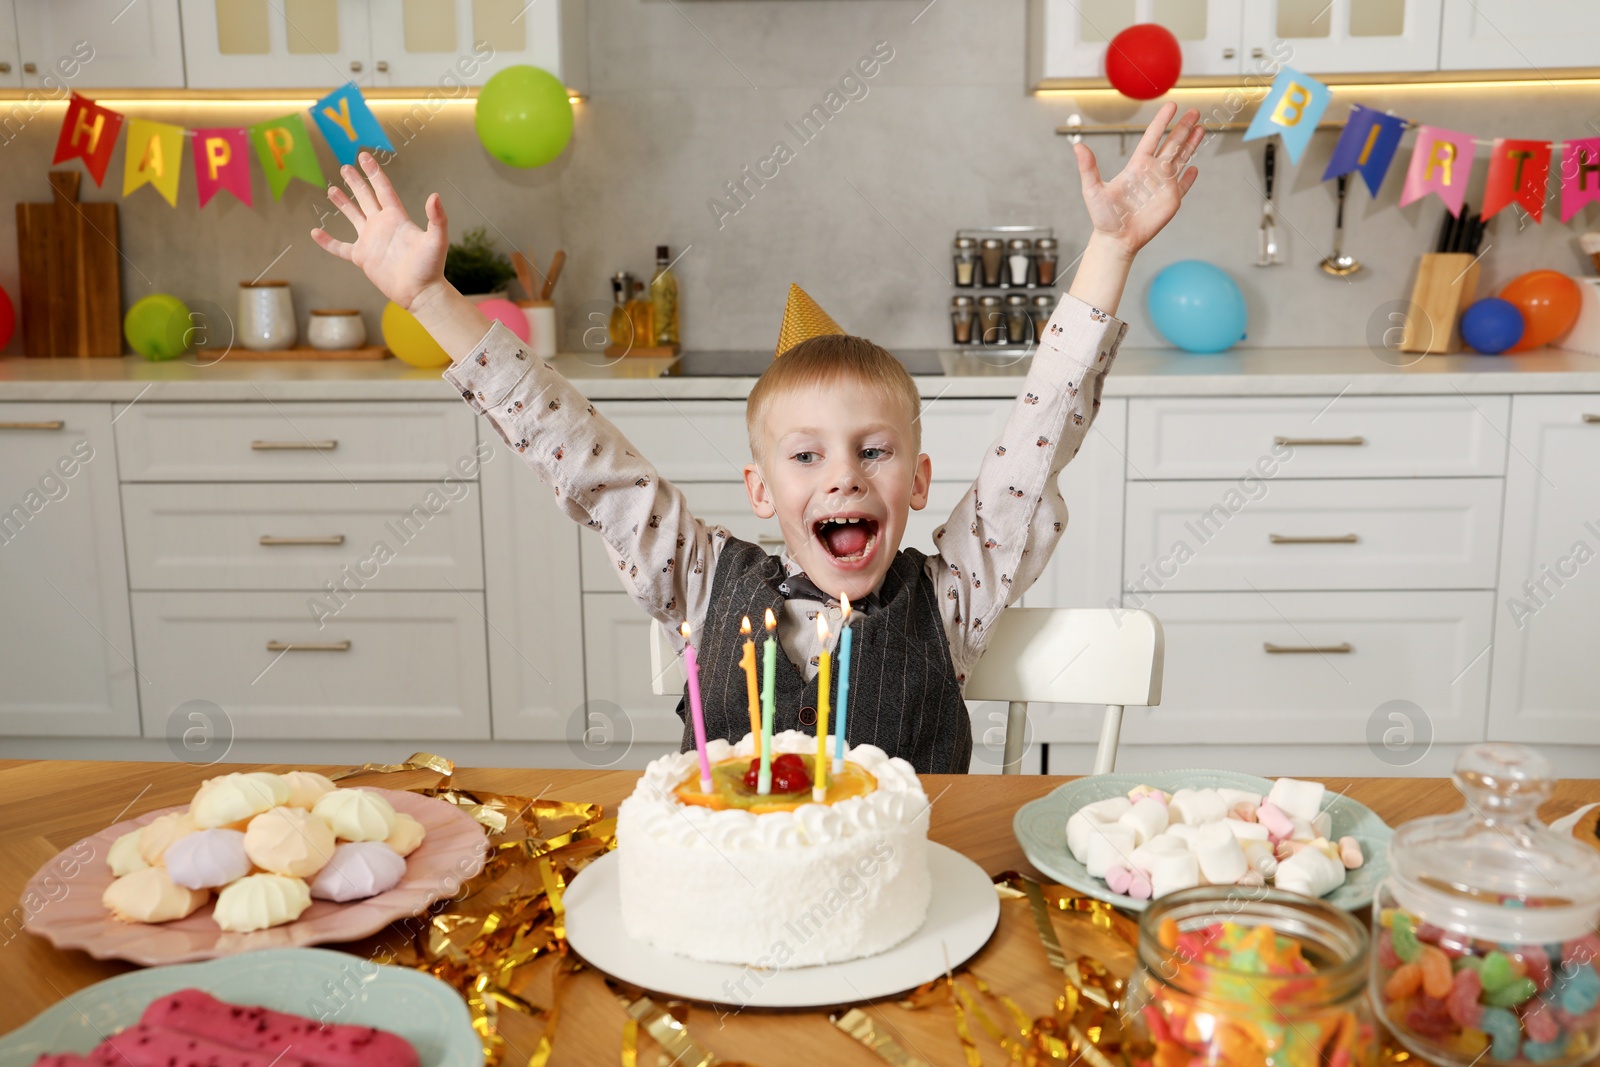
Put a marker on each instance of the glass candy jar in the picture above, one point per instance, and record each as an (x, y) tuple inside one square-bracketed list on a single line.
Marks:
[(1486, 949), (1236, 977)]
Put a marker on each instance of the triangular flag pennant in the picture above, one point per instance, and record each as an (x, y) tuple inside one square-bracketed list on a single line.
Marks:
[(803, 319), (222, 161), (1580, 175), (1441, 163), (153, 156), (89, 133), (284, 148), (1367, 145), (1519, 171), (348, 123), (1292, 109)]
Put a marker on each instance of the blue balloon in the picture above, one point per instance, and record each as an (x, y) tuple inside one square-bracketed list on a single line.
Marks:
[(1492, 325), (1197, 306)]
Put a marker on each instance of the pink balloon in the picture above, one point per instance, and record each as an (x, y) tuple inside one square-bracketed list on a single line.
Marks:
[(507, 312)]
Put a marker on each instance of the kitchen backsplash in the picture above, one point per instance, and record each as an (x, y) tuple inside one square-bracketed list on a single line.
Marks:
[(850, 183)]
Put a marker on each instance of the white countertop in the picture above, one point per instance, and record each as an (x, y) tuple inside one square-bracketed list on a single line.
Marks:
[(1138, 372)]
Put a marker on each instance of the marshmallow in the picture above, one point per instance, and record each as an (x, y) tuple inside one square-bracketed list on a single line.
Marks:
[(1139, 792), (1108, 810), (1246, 831), (1144, 857), (1147, 818), (1118, 878), (1234, 797), (1302, 800), (1303, 830), (1109, 846), (1139, 887), (1196, 807), (1221, 859), (1260, 856), (1080, 825), (1179, 870), (1311, 872), (1279, 825), (1350, 853), (1182, 831)]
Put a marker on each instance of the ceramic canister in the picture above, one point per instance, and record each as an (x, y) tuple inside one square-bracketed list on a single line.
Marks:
[(541, 326), (336, 329), (266, 316)]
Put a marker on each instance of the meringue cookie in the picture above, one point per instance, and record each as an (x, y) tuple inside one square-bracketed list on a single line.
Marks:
[(306, 788), (408, 834), (157, 836), (232, 797), (259, 901), (358, 869), (356, 814), (124, 858), (151, 896), (208, 859), (289, 841)]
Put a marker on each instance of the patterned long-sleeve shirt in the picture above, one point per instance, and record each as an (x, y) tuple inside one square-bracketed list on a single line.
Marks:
[(993, 546)]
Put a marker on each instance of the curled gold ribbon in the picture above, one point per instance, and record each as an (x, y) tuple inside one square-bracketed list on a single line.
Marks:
[(864, 1028)]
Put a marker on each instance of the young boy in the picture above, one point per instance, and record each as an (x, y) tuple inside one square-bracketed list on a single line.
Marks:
[(835, 441)]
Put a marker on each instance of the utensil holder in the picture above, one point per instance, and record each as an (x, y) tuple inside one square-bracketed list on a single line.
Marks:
[(1446, 283), (541, 326)]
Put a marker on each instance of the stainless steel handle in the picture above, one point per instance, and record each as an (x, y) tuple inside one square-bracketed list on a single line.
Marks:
[(770, 542), (1339, 539), (1314, 442), (45, 424), (291, 446), (1340, 649), (355, 66), (308, 646), (383, 66), (331, 539), (5, 68), (1591, 418), (1258, 52), (30, 68), (1228, 53)]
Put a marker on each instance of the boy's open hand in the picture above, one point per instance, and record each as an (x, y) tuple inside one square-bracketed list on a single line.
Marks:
[(403, 260), (1132, 208)]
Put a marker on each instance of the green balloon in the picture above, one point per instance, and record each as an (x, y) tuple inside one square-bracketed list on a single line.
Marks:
[(157, 327), (523, 116)]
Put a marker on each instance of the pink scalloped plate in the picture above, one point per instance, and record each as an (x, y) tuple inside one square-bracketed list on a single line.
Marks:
[(453, 850)]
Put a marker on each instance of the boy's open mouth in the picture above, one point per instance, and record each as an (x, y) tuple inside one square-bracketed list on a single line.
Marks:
[(848, 539)]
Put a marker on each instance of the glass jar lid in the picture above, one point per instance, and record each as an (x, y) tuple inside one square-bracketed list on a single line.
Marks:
[(1045, 244), (989, 301), (1020, 244), (960, 301), (1492, 869), (1016, 300), (993, 242), (966, 242), (1044, 300)]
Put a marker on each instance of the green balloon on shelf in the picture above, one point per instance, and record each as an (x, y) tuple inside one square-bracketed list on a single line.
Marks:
[(523, 116), (157, 327)]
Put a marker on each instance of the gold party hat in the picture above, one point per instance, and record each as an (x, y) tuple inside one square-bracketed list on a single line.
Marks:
[(803, 320)]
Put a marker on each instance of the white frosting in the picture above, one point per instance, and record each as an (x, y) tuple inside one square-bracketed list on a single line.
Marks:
[(819, 884)]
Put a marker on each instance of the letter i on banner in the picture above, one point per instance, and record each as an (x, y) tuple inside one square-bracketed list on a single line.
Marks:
[(1441, 163), (222, 161), (1292, 109), (349, 124), (153, 156), (1367, 145), (1519, 171), (88, 132), (284, 148), (1580, 175)]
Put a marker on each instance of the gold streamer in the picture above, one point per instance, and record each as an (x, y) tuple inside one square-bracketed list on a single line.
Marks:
[(861, 1026)]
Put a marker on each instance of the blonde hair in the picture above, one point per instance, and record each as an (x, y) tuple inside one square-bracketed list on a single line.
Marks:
[(827, 360)]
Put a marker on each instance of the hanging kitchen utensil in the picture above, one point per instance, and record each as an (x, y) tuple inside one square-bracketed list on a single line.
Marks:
[(1269, 219), (1338, 263)]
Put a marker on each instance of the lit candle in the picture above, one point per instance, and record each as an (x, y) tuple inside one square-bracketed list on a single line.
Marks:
[(819, 780), (697, 714), (769, 700), (747, 660), (843, 703)]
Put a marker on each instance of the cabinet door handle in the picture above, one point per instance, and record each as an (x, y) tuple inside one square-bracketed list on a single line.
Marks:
[(5, 68), (1587, 417), (1339, 539), (1314, 442), (272, 542), (770, 542), (383, 66), (308, 646), (1228, 53), (292, 446), (44, 424), (30, 68), (1340, 649), (355, 66)]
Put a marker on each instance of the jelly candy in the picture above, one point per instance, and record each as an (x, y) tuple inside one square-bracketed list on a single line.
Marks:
[(1470, 1043), (1463, 998), (1386, 957), (1511, 994), (1430, 1017), (1469, 963), (1579, 989), (1581, 950), (1496, 972), (1404, 936), (1544, 1052), (1504, 1030), (1406, 980), (1436, 977), (1539, 1022), (1536, 965)]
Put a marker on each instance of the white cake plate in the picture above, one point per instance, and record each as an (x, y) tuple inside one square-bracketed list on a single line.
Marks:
[(961, 916)]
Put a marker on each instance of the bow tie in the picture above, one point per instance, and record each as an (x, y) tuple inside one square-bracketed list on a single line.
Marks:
[(798, 586)]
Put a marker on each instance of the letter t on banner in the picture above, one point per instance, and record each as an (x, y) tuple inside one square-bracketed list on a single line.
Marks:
[(1441, 163), (1580, 175), (1292, 109), (1519, 171)]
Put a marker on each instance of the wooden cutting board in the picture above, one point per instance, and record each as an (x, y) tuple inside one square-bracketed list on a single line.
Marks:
[(71, 281)]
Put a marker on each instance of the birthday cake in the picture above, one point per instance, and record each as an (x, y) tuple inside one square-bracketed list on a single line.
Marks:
[(774, 880)]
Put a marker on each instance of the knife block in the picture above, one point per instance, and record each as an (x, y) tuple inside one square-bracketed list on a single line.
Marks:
[(1446, 283)]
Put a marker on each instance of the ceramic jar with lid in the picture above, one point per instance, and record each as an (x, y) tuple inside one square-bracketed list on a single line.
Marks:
[(336, 329), (266, 316)]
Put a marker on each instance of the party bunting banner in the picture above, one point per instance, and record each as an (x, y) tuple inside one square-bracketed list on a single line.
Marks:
[(348, 124), (1292, 109), (153, 156), (1440, 163), (222, 161), (1580, 175), (89, 133), (284, 148), (1519, 171), (1368, 145)]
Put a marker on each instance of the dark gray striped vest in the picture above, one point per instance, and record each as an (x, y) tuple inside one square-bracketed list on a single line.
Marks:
[(904, 697)]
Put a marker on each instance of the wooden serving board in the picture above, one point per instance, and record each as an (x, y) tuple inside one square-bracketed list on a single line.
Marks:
[(67, 253), (239, 352)]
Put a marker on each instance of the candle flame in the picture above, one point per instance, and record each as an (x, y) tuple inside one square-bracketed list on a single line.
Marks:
[(685, 630), (822, 627), (772, 621), (844, 601), (744, 626)]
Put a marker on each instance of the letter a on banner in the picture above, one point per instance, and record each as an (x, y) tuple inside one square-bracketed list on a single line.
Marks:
[(1441, 163), (1580, 175), (222, 161), (1519, 171), (89, 133), (1292, 109), (153, 156)]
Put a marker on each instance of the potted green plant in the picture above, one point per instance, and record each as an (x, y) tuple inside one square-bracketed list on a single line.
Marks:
[(474, 267)]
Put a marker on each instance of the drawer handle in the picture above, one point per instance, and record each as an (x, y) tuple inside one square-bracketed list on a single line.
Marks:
[(308, 646), (331, 539), (292, 446), (770, 542), (1590, 418), (1312, 442), (1282, 650), (1285, 539), (48, 424)]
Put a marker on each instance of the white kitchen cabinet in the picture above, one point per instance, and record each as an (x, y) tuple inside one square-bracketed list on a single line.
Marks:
[(1537, 35), (276, 44), (1547, 617), (435, 43), (1067, 38), (67, 656), (10, 57), (1343, 36), (620, 708), (100, 44)]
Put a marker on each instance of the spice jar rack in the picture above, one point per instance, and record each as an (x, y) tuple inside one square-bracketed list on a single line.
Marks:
[(1005, 287)]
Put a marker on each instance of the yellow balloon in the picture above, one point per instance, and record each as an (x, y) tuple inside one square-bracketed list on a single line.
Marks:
[(409, 341)]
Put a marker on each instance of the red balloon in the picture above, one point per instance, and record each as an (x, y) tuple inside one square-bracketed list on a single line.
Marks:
[(1549, 302), (1144, 61), (8, 319)]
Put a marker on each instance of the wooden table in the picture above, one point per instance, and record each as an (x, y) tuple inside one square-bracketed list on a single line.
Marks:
[(46, 806)]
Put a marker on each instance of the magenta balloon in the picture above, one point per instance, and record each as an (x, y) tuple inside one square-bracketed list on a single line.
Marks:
[(507, 312)]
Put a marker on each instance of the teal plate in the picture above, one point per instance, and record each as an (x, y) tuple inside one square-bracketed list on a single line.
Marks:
[(334, 986), (1041, 829)]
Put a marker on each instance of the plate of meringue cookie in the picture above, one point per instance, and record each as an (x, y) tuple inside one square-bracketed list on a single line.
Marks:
[(256, 860)]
